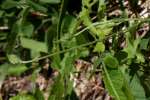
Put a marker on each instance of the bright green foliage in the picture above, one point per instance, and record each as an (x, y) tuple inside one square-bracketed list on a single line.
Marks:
[(13, 59), (16, 69), (100, 47), (63, 31), (30, 44), (132, 48), (111, 62), (12, 69)]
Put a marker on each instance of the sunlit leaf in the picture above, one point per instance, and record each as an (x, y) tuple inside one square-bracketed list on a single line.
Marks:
[(12, 69), (16, 69), (13, 59), (140, 57), (34, 45), (131, 48), (100, 47), (105, 29)]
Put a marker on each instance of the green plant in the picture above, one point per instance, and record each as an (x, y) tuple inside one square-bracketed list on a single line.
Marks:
[(33, 30)]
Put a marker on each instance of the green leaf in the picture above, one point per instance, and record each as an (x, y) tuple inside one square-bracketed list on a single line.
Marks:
[(130, 50), (67, 61), (101, 8), (140, 58), (52, 97), (50, 36), (27, 29), (82, 39), (3, 72), (144, 44), (136, 87), (36, 6), (3, 69), (8, 4), (12, 69), (132, 44), (84, 52), (111, 62), (23, 97), (116, 84), (58, 88), (69, 87), (12, 36), (100, 47), (105, 29), (69, 24), (132, 47), (56, 60), (1, 13), (16, 69), (13, 59), (34, 45), (84, 16), (121, 55), (50, 1), (39, 95), (61, 16)]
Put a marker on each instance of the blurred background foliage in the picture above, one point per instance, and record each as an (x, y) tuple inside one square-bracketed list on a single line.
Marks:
[(57, 32)]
